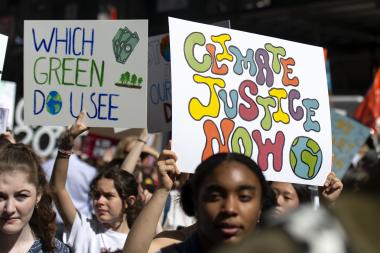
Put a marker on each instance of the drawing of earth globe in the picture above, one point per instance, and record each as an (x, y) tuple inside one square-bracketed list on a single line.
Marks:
[(305, 157), (54, 103), (165, 48)]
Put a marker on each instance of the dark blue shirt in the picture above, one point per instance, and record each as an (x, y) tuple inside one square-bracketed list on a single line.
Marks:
[(60, 247)]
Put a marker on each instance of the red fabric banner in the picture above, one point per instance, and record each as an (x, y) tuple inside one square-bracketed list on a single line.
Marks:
[(369, 109)]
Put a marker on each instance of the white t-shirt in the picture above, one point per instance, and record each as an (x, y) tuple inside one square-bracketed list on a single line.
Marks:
[(90, 236), (79, 177), (176, 217)]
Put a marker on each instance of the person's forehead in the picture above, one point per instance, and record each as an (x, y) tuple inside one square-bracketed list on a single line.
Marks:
[(15, 180), (283, 187), (106, 184), (233, 172)]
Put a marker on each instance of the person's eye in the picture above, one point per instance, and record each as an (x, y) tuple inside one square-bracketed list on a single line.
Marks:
[(245, 197), (213, 196), (109, 196), (21, 197)]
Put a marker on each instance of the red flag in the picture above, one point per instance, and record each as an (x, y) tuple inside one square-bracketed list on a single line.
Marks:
[(369, 109)]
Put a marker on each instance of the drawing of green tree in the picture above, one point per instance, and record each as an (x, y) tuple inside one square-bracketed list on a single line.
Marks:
[(133, 79), (139, 81), (127, 77), (122, 78)]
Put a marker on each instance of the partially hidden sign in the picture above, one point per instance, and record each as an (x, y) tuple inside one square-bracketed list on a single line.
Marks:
[(96, 66), (348, 136), (3, 49), (159, 93), (265, 97)]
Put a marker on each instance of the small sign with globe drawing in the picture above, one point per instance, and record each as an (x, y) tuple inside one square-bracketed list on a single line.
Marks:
[(264, 97), (70, 66)]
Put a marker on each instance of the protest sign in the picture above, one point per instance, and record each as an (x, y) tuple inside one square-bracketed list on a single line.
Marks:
[(159, 93), (7, 99), (241, 92), (3, 119), (348, 136), (97, 66), (3, 48)]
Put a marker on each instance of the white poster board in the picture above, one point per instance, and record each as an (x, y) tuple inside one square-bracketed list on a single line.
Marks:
[(4, 113), (97, 66), (8, 99), (241, 92), (3, 49)]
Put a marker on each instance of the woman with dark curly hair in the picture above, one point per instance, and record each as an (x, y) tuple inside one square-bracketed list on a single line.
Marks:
[(27, 220)]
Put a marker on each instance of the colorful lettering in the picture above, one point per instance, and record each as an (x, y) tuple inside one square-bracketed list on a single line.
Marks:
[(196, 38), (250, 112), (279, 115), (276, 52), (196, 108), (265, 148), (286, 80), (311, 105), (243, 61)]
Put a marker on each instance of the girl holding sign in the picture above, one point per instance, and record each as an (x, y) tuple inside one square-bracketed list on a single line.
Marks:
[(114, 195), (27, 220)]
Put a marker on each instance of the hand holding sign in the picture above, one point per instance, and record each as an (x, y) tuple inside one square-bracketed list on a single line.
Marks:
[(79, 127), (332, 188), (167, 168)]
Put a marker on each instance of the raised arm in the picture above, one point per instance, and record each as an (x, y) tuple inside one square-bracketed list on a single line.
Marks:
[(130, 161), (58, 179), (144, 228), (332, 189)]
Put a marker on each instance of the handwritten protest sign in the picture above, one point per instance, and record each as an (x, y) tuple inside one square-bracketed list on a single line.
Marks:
[(257, 95), (97, 66), (159, 93), (348, 136), (4, 112), (3, 48), (8, 99)]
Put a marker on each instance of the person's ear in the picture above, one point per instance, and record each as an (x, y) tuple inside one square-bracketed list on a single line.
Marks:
[(39, 196), (131, 200), (259, 216)]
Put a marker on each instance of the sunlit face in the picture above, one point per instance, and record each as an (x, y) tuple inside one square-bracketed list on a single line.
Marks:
[(229, 203), (18, 198), (286, 197), (108, 205)]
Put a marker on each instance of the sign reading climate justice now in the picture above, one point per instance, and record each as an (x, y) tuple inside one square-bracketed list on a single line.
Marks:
[(257, 95), (96, 66)]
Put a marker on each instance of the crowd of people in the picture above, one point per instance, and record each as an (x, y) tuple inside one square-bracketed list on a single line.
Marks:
[(140, 202)]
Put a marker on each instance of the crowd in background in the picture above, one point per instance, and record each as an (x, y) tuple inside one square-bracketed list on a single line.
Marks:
[(135, 199)]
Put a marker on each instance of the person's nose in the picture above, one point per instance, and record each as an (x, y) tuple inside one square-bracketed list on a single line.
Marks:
[(100, 200), (10, 206), (279, 200), (230, 205)]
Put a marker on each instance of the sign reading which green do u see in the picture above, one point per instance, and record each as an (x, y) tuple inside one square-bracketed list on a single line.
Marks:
[(96, 66)]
